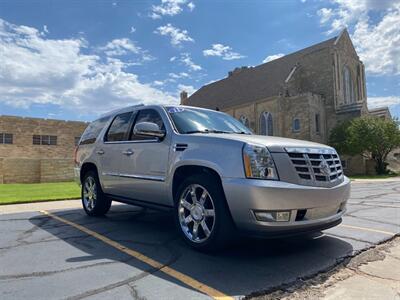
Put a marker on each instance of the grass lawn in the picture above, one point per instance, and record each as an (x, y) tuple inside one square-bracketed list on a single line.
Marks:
[(36, 192)]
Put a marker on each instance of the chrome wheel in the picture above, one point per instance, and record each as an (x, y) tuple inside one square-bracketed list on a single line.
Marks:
[(196, 213), (89, 193)]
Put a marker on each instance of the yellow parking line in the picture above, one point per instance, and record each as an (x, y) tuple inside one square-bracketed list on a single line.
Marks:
[(367, 229), (155, 264)]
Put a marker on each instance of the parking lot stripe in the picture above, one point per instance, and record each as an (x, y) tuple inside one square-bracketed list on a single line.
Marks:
[(367, 229), (147, 260)]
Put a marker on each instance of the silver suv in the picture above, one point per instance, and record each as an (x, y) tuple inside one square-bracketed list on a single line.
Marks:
[(211, 171)]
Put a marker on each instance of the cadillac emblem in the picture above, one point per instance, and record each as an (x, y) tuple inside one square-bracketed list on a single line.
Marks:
[(324, 168)]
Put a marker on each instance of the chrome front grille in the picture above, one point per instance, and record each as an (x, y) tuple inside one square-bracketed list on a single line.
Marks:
[(314, 166)]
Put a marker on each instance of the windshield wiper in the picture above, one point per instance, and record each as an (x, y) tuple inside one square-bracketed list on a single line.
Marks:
[(208, 131)]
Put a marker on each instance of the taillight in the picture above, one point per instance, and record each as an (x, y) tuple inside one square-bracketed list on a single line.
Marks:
[(76, 155)]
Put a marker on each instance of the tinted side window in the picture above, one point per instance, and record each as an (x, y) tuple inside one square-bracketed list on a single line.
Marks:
[(148, 115), (118, 130), (93, 130)]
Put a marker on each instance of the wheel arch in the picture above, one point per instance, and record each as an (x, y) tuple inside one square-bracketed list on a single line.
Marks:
[(185, 171), (86, 167)]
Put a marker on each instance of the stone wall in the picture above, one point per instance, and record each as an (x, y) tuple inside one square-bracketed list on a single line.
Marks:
[(33, 170), (354, 165), (24, 162), (21, 170), (56, 170), (23, 130)]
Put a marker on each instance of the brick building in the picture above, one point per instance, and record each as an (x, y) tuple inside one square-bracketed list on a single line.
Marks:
[(302, 95), (37, 150)]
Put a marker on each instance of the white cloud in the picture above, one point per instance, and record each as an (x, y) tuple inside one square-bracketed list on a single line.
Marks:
[(222, 51), (158, 82), (176, 35), (178, 76), (45, 29), (170, 8), (325, 14), (379, 45), (119, 47), (272, 57), (37, 70), (374, 27), (133, 29), (173, 58), (187, 88), (191, 6), (124, 46), (186, 59), (374, 102)]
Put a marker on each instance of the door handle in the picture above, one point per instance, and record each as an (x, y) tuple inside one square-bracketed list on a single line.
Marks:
[(100, 152), (128, 152)]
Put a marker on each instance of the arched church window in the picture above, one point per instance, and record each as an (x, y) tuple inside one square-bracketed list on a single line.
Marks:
[(348, 86), (266, 124), (244, 120), (296, 125)]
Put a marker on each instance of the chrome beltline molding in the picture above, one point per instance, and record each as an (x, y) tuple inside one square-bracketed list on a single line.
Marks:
[(135, 176)]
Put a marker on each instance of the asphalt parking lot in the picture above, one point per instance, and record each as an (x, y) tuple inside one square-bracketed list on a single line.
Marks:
[(136, 254)]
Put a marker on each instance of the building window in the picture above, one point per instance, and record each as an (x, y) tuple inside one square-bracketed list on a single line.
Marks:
[(348, 87), (317, 123), (244, 120), (6, 138), (76, 139), (49, 140), (266, 124), (296, 125)]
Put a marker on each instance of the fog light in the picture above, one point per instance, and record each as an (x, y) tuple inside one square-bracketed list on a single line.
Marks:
[(272, 216), (282, 216)]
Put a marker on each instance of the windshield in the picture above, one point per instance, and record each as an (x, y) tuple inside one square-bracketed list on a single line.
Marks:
[(192, 120)]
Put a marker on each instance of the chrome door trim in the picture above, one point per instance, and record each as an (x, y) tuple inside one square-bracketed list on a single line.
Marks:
[(144, 177), (135, 176), (110, 174), (133, 141)]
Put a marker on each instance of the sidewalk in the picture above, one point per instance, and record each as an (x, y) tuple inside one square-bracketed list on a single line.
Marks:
[(26, 207), (377, 279), (374, 274), (389, 179)]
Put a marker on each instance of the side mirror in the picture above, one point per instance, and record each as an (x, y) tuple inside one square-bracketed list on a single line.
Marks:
[(148, 129)]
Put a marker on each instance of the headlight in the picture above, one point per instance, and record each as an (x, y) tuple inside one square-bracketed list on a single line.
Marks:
[(258, 163)]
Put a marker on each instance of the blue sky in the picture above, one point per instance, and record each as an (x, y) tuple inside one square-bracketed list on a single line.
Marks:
[(77, 59)]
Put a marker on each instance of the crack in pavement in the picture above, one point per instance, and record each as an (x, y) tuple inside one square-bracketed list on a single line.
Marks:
[(134, 293), (314, 286), (49, 273), (146, 272), (351, 238), (372, 220)]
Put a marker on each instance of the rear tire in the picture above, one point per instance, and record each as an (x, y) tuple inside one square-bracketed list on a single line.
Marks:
[(94, 201), (202, 215)]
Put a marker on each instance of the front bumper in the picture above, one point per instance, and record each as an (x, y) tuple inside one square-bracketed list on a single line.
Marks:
[(324, 207)]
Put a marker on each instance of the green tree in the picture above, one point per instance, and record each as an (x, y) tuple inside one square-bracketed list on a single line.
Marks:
[(370, 137)]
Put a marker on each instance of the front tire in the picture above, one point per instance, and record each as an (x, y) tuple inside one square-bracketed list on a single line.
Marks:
[(94, 202), (202, 215)]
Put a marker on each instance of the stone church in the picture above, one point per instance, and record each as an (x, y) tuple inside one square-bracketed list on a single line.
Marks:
[(302, 95)]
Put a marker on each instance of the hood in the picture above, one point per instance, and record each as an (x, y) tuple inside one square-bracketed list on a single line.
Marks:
[(273, 143)]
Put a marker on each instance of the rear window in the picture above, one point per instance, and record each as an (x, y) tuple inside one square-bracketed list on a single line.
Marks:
[(93, 130)]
